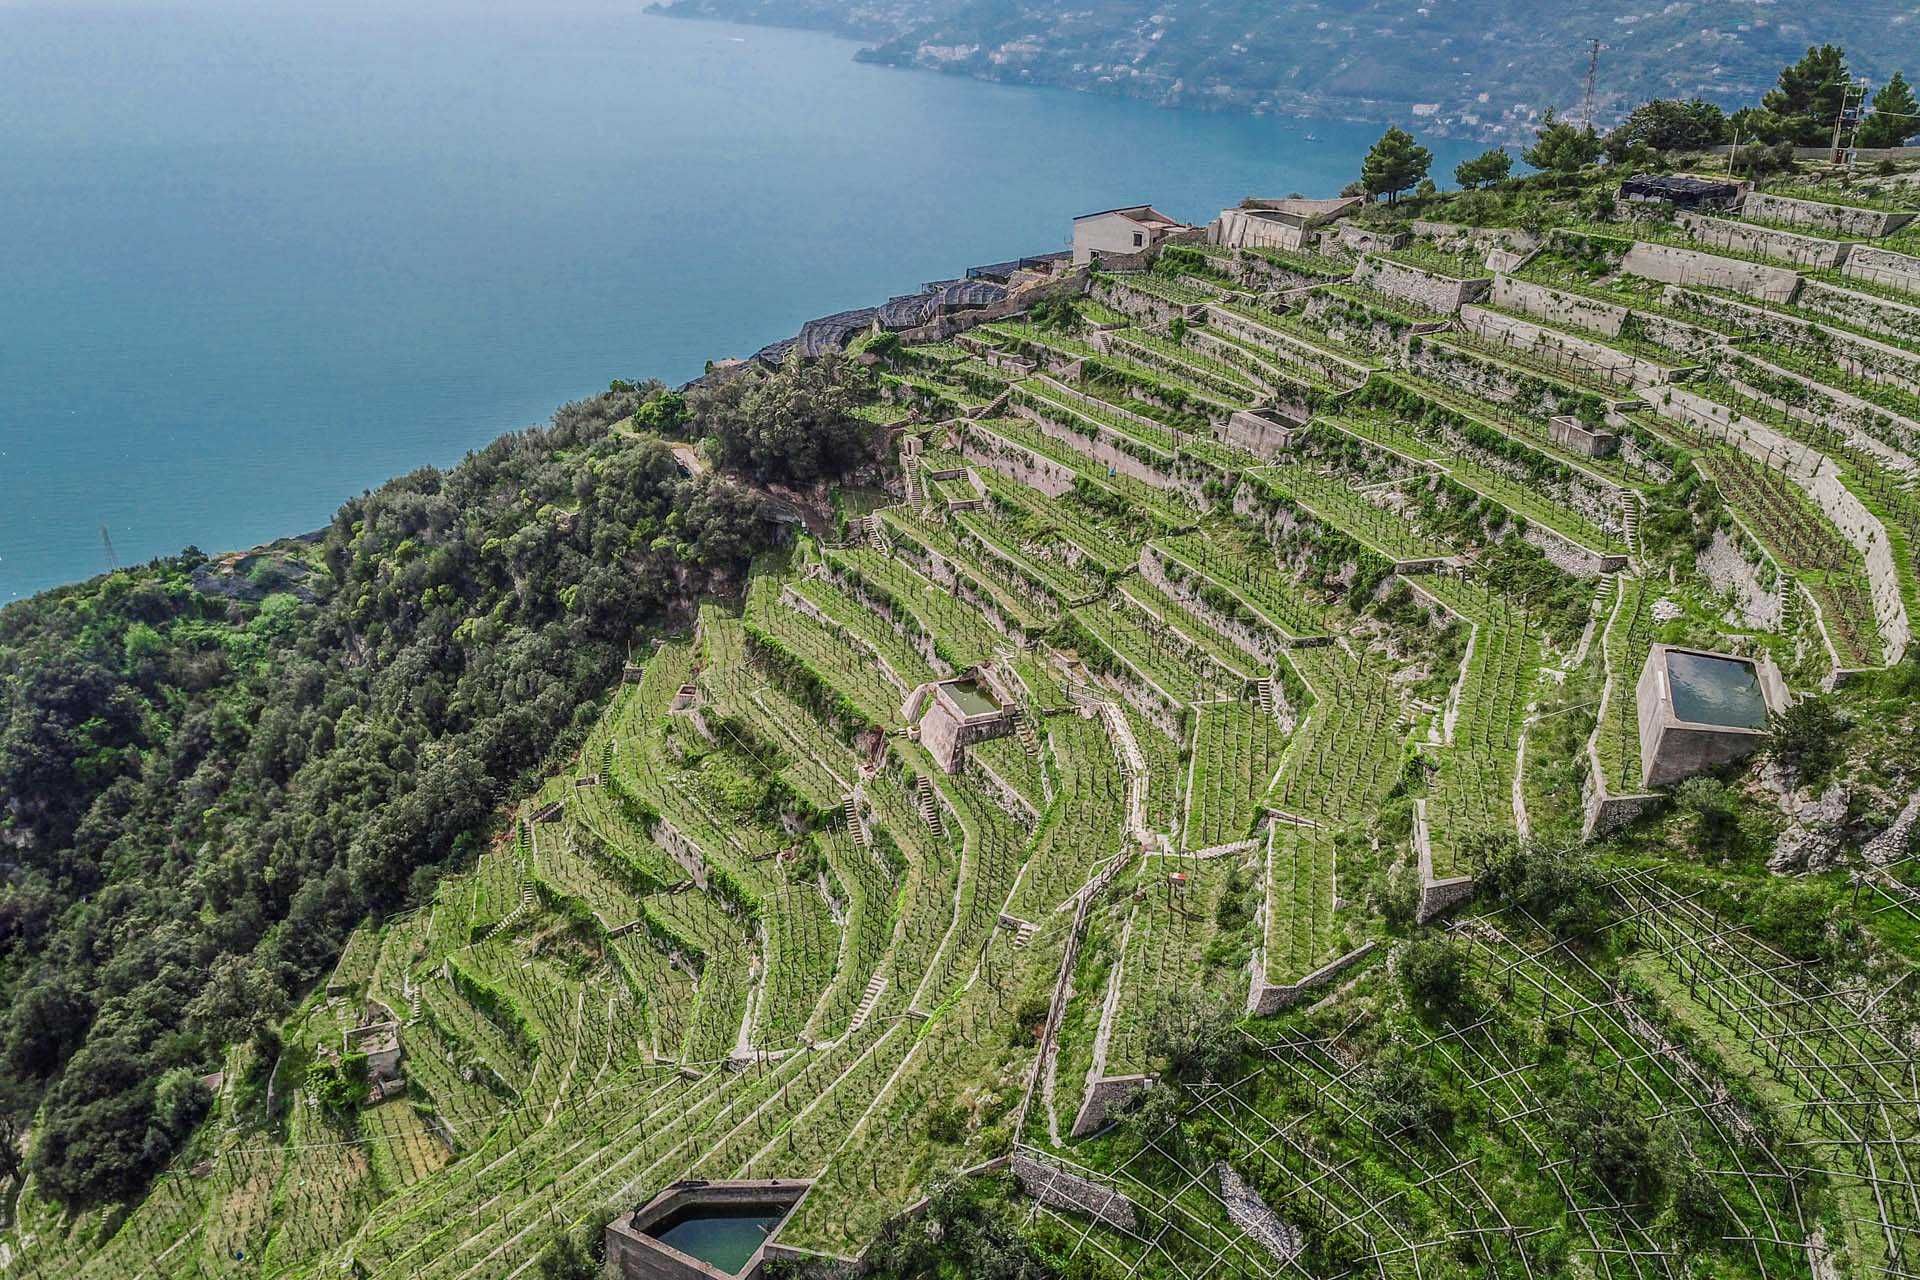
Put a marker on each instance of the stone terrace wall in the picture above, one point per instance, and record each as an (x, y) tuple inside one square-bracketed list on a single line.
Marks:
[(1558, 307), (1836, 218), (1102, 1095), (1744, 237), (1053, 1185), (1817, 475), (1670, 264), (1863, 310), (1884, 267), (1626, 371), (1424, 289), (1016, 462), (1265, 998)]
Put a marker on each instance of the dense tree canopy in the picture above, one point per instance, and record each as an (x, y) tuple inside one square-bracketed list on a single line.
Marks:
[(1668, 124), (1895, 116), (1395, 164), (1808, 98), (1484, 169)]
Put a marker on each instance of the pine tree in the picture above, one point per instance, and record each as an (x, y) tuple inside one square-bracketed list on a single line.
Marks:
[(1561, 148), (1394, 164), (1808, 97), (1895, 116), (1483, 170)]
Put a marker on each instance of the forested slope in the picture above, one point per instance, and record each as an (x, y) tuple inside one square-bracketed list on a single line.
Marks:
[(211, 770)]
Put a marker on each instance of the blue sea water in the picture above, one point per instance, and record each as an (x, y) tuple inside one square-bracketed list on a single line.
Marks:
[(255, 258)]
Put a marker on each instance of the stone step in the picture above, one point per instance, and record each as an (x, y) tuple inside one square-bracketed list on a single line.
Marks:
[(871, 996), (929, 810)]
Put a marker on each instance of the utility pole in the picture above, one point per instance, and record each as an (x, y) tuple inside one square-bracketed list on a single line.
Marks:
[(1853, 96), (113, 561), (1593, 68)]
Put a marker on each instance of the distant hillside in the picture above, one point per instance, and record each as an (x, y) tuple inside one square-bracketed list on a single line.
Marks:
[(1478, 68)]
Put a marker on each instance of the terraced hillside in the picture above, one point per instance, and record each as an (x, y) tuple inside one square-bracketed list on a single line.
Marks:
[(1295, 628)]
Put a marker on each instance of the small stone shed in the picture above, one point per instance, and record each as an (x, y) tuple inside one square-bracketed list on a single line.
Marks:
[(1701, 710), (955, 714)]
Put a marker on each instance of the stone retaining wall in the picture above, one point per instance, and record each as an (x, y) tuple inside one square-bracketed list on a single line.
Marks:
[(1051, 1184), (1264, 998), (1817, 475), (1016, 462), (1838, 219), (1670, 264), (1744, 237), (1559, 307), (1260, 643), (1864, 310), (1423, 288), (1589, 355)]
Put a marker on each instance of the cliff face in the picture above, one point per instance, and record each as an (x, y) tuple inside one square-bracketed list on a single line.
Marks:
[(1471, 68)]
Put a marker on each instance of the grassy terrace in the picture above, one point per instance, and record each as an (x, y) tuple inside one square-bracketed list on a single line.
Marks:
[(1154, 652), (1426, 257), (1331, 498), (1567, 369), (1158, 284), (1275, 366), (1163, 610), (1523, 499), (1088, 532), (1306, 264), (1528, 429), (1805, 543), (1875, 288), (1387, 304), (959, 633), (1292, 326), (1236, 749), (1471, 793), (1226, 383), (1801, 360), (1302, 932), (1345, 755), (988, 575), (858, 621), (1083, 413), (1245, 579), (1174, 941), (1679, 238), (1165, 507), (1035, 556), (1628, 638)]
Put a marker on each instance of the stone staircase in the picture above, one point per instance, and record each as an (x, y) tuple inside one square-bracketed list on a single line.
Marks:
[(877, 537), (1263, 689), (929, 807), (1630, 523), (1023, 730), (529, 902), (850, 809), (870, 997), (1024, 931)]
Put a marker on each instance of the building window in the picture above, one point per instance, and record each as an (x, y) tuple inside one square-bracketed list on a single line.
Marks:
[(1138, 239)]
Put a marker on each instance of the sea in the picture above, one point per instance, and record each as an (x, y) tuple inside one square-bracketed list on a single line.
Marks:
[(257, 258)]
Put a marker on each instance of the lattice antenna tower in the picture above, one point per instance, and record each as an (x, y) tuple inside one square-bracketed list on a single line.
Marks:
[(1593, 71)]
